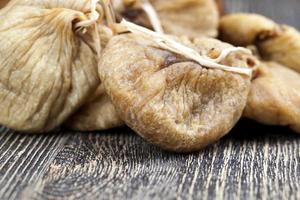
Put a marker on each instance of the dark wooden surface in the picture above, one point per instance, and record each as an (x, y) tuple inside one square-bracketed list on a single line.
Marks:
[(253, 162)]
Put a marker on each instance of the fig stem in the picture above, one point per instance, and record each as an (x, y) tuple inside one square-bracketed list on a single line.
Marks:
[(93, 17), (153, 16), (147, 7), (227, 51)]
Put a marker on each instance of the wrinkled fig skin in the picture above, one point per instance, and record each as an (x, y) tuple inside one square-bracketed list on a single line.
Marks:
[(97, 114), (47, 71), (275, 42), (93, 115), (170, 101), (283, 48), (188, 17), (182, 17), (243, 29), (274, 98), (80, 5)]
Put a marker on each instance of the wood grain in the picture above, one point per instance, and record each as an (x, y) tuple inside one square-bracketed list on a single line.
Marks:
[(253, 162), (24, 159), (120, 165)]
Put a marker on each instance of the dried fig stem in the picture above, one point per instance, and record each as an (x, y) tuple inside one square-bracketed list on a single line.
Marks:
[(153, 16), (146, 6), (91, 20), (165, 42), (227, 51), (93, 17)]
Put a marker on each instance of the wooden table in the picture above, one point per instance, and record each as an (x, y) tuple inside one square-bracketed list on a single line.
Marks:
[(254, 161)]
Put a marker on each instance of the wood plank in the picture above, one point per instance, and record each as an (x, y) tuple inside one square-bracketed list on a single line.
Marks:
[(120, 165), (24, 158)]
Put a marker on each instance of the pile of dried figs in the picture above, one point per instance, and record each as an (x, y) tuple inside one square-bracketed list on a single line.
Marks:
[(153, 65)]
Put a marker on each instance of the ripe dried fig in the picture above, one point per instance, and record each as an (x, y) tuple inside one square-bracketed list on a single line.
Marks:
[(169, 100), (275, 42), (96, 114), (243, 29), (283, 47), (179, 17), (275, 96), (92, 116), (47, 69)]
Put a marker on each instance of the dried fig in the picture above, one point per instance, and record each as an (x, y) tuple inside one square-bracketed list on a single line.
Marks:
[(178, 17), (92, 116), (47, 68), (170, 100), (274, 98), (243, 29), (275, 42), (283, 47), (96, 114)]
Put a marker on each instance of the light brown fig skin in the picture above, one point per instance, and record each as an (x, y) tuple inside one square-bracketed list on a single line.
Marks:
[(283, 47), (191, 18), (170, 101), (242, 29), (97, 114), (274, 97), (275, 42), (47, 70), (188, 17)]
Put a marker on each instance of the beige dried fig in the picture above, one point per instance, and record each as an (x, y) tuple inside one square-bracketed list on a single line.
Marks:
[(275, 42), (47, 68), (243, 29), (97, 114), (177, 17), (275, 96), (283, 47), (92, 115), (170, 100)]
